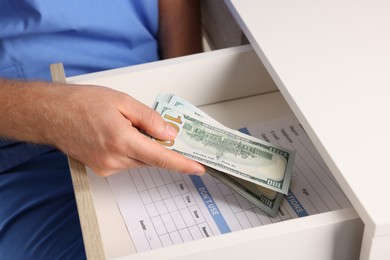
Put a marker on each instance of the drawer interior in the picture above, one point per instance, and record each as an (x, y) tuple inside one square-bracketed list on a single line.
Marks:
[(233, 87)]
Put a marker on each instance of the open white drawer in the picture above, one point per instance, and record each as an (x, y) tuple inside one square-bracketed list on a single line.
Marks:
[(232, 86)]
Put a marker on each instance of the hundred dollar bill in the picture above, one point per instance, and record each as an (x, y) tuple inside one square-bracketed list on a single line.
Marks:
[(267, 200), (184, 106), (229, 151)]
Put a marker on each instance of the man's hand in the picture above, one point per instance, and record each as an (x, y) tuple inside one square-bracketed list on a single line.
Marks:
[(95, 125)]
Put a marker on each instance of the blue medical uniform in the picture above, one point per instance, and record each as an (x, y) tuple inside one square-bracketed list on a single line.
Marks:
[(38, 215)]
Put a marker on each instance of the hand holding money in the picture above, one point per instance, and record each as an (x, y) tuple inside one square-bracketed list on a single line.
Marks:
[(259, 171)]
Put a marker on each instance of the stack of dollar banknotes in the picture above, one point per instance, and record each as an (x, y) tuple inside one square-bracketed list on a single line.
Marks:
[(256, 169)]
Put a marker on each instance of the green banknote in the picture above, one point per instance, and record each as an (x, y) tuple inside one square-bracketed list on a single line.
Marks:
[(184, 106), (227, 150), (267, 200)]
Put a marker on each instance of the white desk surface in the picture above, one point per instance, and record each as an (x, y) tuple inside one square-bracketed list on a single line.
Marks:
[(331, 61)]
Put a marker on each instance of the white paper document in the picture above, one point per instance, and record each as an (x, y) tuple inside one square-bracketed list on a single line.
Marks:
[(161, 208)]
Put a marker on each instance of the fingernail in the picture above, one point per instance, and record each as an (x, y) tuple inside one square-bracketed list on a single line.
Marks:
[(171, 131), (198, 173)]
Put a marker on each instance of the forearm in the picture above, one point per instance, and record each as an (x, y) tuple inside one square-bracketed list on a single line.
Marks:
[(179, 28), (24, 110)]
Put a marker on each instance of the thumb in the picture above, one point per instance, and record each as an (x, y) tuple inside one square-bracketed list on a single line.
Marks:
[(153, 124)]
